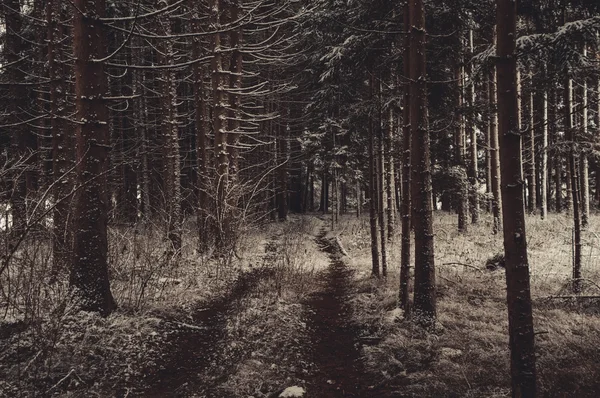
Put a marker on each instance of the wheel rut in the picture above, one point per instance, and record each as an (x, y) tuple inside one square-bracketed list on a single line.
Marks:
[(193, 351), (334, 351)]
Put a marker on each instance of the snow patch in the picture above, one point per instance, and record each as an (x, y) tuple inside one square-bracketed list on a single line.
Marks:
[(293, 392)]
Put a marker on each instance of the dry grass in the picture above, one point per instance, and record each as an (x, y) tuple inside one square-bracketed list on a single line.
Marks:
[(470, 357), (59, 351), (63, 352)]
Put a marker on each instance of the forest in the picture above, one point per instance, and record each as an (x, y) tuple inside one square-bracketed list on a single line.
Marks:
[(299, 198)]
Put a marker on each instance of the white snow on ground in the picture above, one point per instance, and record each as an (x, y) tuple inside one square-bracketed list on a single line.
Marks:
[(293, 392)]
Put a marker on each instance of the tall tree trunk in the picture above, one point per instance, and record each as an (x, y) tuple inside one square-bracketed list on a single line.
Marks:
[(495, 154), (405, 207), (89, 274), (460, 152), (358, 198), (425, 291), (558, 183), (544, 150), (597, 122), (282, 139), (235, 83), (324, 201), (569, 197), (389, 176), (202, 130), (473, 166), (557, 164), (585, 186), (381, 185), (62, 144), (585, 189), (572, 163), (520, 319), (531, 199), (488, 142), (172, 176), (372, 192), (221, 155), (144, 149)]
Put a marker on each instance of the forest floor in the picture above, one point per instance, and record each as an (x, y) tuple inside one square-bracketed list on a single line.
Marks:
[(297, 310)]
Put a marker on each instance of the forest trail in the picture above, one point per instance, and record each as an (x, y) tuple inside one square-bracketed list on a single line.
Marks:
[(334, 338), (193, 350)]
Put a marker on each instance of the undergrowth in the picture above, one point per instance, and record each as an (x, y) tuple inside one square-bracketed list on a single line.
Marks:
[(469, 356), (49, 348)]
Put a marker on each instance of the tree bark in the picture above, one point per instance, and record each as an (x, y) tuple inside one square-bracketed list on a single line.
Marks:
[(585, 185), (372, 192), (389, 176), (62, 144), (283, 151), (170, 126), (557, 163), (569, 197), (520, 319), (405, 207), (460, 152), (495, 154), (531, 186), (425, 288), (544, 153), (382, 179), (235, 84), (221, 155), (473, 166), (488, 142), (572, 163), (89, 274)]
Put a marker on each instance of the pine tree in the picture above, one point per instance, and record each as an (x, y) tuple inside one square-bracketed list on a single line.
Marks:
[(520, 320)]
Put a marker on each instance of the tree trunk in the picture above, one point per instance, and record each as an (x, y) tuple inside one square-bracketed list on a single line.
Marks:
[(544, 150), (202, 130), (282, 171), (172, 176), (405, 207), (389, 176), (558, 182), (597, 122), (358, 198), (520, 320), (531, 199), (381, 185), (425, 290), (585, 186), (460, 153), (572, 159), (221, 155), (495, 154), (89, 275), (473, 166), (372, 193), (569, 198), (488, 142), (585, 189), (235, 84), (62, 144)]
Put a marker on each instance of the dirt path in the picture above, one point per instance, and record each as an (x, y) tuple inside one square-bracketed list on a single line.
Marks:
[(193, 357), (334, 339)]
